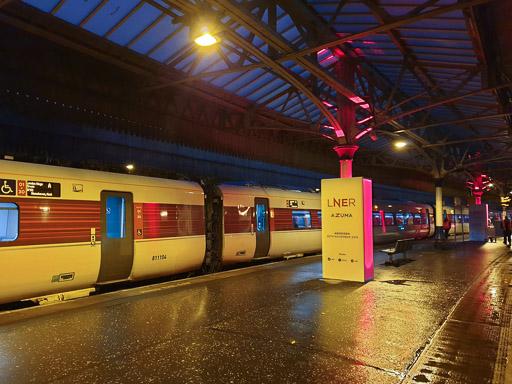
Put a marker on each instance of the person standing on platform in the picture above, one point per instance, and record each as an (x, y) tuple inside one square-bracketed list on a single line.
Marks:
[(446, 226), (505, 225)]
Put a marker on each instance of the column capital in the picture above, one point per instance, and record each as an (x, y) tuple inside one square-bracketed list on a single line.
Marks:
[(346, 151)]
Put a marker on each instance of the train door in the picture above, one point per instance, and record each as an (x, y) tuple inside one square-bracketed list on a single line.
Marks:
[(116, 236), (430, 221), (262, 227)]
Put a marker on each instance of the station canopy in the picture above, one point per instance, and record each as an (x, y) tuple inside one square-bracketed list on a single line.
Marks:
[(432, 73)]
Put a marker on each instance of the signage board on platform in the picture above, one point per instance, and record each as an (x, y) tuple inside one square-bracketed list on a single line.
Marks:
[(478, 215), (347, 230)]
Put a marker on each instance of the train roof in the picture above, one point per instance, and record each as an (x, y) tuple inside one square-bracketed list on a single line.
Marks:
[(15, 169), (252, 190)]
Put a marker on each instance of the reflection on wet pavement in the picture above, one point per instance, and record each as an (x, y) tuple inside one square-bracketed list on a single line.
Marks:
[(443, 318)]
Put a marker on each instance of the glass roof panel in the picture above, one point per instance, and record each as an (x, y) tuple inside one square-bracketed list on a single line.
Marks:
[(172, 46), (136, 24), (153, 36), (74, 11), (110, 15)]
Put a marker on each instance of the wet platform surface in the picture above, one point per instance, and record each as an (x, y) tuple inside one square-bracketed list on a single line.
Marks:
[(443, 318)]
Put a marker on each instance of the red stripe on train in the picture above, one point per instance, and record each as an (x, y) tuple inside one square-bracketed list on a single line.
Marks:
[(43, 221), (172, 220), (283, 219), (238, 219)]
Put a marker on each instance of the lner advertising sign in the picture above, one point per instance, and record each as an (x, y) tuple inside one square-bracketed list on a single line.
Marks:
[(347, 229)]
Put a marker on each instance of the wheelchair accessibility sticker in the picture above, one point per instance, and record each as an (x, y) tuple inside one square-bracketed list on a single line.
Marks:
[(7, 187)]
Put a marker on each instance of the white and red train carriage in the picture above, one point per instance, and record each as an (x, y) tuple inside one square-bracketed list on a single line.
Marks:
[(65, 229), (263, 222), (394, 220)]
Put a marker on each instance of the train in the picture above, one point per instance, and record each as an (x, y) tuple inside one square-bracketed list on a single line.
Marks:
[(65, 229)]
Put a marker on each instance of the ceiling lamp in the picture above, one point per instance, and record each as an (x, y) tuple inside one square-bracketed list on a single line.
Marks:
[(400, 144), (205, 40)]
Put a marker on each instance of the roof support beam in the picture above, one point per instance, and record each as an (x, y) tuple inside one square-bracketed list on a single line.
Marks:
[(57, 7), (314, 133), (426, 64), (425, 92), (455, 122), (488, 138), (273, 39), (385, 27), (392, 94), (421, 75), (285, 74), (441, 102), (340, 6)]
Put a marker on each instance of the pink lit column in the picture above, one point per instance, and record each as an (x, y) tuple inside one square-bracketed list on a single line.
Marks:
[(346, 155), (345, 70)]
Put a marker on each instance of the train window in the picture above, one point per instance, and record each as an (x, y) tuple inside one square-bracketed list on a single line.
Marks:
[(9, 222), (116, 217), (301, 219), (466, 218), (320, 219), (408, 218), (423, 218), (388, 219), (261, 214), (377, 220), (417, 218), (399, 218)]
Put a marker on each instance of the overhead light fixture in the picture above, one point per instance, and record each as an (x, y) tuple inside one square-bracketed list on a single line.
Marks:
[(205, 40), (206, 27), (400, 144), (130, 167)]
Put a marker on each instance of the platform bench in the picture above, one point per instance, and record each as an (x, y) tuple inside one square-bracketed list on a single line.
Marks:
[(401, 246)]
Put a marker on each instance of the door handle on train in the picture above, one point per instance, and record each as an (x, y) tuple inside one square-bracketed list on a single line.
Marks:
[(93, 236)]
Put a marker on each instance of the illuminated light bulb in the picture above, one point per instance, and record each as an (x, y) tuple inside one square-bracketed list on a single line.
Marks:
[(205, 40), (130, 167), (400, 144)]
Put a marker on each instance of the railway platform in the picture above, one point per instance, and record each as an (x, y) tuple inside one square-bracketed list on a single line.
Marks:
[(444, 317)]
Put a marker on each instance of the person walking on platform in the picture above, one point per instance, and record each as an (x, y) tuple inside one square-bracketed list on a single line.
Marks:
[(505, 225), (446, 226)]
